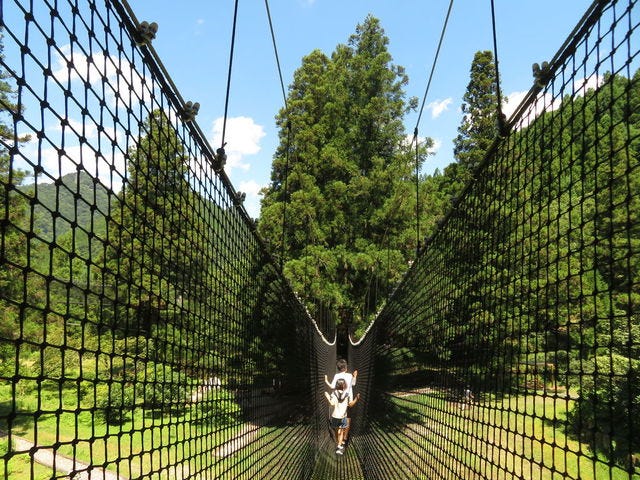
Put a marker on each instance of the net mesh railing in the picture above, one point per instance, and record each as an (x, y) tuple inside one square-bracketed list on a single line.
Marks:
[(512, 347), (145, 331)]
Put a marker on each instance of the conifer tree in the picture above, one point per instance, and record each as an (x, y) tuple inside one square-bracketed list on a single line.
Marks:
[(479, 124), (13, 248), (342, 177), (478, 130), (153, 248)]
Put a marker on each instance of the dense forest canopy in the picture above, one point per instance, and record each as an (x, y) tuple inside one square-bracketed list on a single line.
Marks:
[(340, 209), (133, 276)]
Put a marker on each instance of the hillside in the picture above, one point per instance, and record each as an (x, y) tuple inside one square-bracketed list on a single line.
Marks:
[(74, 196)]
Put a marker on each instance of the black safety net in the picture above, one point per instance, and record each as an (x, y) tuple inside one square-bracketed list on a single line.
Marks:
[(146, 332), (511, 349)]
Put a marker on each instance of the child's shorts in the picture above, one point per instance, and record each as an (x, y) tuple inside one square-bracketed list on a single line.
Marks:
[(338, 422)]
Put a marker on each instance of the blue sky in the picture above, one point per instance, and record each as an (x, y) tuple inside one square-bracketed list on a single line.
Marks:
[(194, 47), (194, 37)]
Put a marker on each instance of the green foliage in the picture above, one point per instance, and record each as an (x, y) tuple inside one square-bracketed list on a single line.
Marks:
[(161, 387), (479, 126), (115, 402), (217, 407), (77, 198), (342, 178), (155, 224), (607, 417), (14, 246)]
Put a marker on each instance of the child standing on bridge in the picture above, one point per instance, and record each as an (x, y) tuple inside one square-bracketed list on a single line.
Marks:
[(341, 366), (341, 400)]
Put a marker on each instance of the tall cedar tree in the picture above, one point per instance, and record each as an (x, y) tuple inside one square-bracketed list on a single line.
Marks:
[(470, 228), (153, 231), (341, 180), (13, 247), (479, 123)]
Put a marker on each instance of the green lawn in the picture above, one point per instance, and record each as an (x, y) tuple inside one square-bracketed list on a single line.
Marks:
[(144, 443), (507, 438), (18, 467)]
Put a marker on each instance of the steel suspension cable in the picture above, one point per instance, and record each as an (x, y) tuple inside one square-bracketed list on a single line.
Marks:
[(226, 100), (502, 123), (415, 137), (275, 50), (435, 61), (415, 130), (288, 145)]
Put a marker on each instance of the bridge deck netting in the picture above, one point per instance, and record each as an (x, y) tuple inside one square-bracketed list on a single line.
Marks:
[(147, 333)]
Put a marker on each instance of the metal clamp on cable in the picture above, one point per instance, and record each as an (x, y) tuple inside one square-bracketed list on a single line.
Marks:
[(219, 160), (541, 74), (189, 111), (146, 33)]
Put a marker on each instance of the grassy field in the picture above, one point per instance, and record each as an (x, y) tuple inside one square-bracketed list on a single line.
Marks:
[(507, 438), (502, 439), (144, 444), (148, 445), (20, 468)]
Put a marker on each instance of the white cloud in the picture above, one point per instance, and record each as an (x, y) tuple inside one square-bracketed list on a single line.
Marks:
[(582, 85), (513, 100), (545, 102), (242, 137), (199, 27), (56, 164), (119, 73), (252, 202), (439, 106)]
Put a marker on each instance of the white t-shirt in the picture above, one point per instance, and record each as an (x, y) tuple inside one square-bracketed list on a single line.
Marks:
[(347, 377), (340, 402)]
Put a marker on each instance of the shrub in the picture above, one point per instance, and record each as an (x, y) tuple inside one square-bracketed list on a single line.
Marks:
[(218, 407), (607, 415), (160, 387), (114, 402)]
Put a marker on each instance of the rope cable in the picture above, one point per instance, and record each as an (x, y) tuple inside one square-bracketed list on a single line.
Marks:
[(415, 136), (502, 123), (226, 100), (415, 130), (288, 124), (433, 66), (275, 50)]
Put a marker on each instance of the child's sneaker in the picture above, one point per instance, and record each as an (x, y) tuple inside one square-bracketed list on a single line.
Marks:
[(340, 450)]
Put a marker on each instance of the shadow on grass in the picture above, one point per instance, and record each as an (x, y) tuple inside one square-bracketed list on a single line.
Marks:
[(272, 408), (14, 419)]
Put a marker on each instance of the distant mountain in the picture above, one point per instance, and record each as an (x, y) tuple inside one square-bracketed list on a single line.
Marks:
[(72, 200)]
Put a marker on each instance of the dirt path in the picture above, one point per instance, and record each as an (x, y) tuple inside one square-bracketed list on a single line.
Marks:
[(239, 441), (60, 463)]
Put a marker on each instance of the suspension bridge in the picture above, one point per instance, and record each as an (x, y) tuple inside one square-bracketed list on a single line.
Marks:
[(147, 331)]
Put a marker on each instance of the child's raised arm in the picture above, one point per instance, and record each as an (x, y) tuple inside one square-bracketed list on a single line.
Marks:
[(354, 401)]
